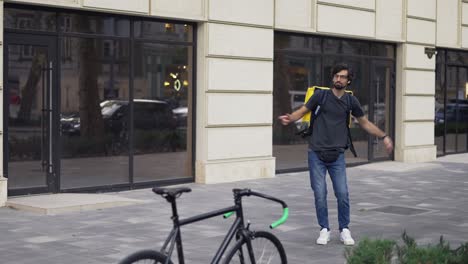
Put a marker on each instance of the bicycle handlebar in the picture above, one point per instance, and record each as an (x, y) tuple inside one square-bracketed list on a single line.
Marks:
[(282, 219), (248, 192)]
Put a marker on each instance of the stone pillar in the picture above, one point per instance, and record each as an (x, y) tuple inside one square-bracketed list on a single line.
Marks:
[(415, 101), (234, 92)]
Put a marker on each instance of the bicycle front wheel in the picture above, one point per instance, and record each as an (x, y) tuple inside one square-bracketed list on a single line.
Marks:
[(266, 248), (145, 256)]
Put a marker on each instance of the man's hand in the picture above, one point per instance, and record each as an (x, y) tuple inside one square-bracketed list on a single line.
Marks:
[(374, 130), (388, 144), (285, 119)]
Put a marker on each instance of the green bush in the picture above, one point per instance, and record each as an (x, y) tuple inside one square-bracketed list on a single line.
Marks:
[(371, 252), (387, 251)]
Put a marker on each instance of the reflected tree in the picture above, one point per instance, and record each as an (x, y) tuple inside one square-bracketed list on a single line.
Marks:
[(91, 121), (281, 103), (29, 91)]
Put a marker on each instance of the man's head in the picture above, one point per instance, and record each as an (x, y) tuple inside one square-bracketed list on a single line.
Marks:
[(342, 76)]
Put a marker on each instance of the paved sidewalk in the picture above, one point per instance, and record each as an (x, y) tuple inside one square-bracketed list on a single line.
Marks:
[(425, 199)]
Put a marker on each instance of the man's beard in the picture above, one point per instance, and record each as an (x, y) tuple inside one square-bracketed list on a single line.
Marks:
[(338, 86)]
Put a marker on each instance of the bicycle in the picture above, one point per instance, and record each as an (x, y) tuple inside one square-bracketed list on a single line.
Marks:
[(246, 249)]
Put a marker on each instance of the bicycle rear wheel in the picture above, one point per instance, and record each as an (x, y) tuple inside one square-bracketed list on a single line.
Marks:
[(145, 257), (266, 248)]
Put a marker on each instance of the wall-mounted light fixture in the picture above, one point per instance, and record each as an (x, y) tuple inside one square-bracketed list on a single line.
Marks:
[(430, 52)]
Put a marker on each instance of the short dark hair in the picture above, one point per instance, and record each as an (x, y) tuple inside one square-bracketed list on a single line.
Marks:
[(342, 66)]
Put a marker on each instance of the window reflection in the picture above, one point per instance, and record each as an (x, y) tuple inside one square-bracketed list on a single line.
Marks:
[(29, 19), (90, 24), (439, 122), (28, 122), (345, 47), (162, 93), (102, 124), (163, 31), (94, 130)]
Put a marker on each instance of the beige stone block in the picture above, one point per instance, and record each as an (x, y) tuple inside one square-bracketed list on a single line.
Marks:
[(465, 13), (368, 4), (417, 154), (421, 31), (389, 20), (3, 191), (358, 23), (416, 58), (67, 3), (465, 37), (240, 41), (210, 172), (419, 107), (422, 8), (258, 12), (447, 24), (239, 142), (418, 133), (239, 75), (297, 16), (419, 82), (181, 9), (137, 6), (238, 109)]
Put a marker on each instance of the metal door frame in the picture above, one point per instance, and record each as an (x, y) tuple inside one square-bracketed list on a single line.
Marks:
[(52, 177)]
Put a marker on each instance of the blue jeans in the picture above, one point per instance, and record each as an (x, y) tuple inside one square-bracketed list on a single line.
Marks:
[(337, 170)]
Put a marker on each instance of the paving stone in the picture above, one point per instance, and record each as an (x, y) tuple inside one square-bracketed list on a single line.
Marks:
[(107, 235)]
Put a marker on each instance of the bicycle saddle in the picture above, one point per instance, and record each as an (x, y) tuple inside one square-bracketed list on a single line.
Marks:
[(172, 192)]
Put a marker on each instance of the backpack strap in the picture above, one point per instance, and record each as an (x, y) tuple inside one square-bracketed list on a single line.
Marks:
[(316, 112), (348, 118)]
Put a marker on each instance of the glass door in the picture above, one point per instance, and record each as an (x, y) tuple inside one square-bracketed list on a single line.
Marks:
[(381, 91), (29, 122)]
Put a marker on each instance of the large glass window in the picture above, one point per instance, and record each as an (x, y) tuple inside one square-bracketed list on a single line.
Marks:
[(451, 113), (94, 131), (120, 102), (163, 88), (305, 61)]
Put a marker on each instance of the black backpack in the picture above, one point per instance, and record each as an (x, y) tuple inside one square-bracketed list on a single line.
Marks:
[(316, 112)]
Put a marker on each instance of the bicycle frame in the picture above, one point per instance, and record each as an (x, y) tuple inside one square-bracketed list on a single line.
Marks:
[(174, 237)]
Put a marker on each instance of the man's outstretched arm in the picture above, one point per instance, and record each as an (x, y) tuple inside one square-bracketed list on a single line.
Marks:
[(296, 115), (374, 130)]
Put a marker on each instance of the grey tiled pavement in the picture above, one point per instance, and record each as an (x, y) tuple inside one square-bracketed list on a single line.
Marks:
[(439, 189)]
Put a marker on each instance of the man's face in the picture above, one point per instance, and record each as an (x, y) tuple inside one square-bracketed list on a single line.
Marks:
[(340, 79)]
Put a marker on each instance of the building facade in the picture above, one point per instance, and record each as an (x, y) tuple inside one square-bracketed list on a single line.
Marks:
[(101, 94)]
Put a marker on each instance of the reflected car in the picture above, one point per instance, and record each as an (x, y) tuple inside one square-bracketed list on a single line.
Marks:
[(180, 114), (148, 114), (451, 114), (70, 124)]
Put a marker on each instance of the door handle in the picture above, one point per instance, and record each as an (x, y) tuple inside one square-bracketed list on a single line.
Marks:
[(51, 69)]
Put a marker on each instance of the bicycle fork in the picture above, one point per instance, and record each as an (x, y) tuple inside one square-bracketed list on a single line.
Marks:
[(247, 236)]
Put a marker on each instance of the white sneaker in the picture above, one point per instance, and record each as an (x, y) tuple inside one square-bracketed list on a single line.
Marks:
[(345, 236), (324, 237)]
